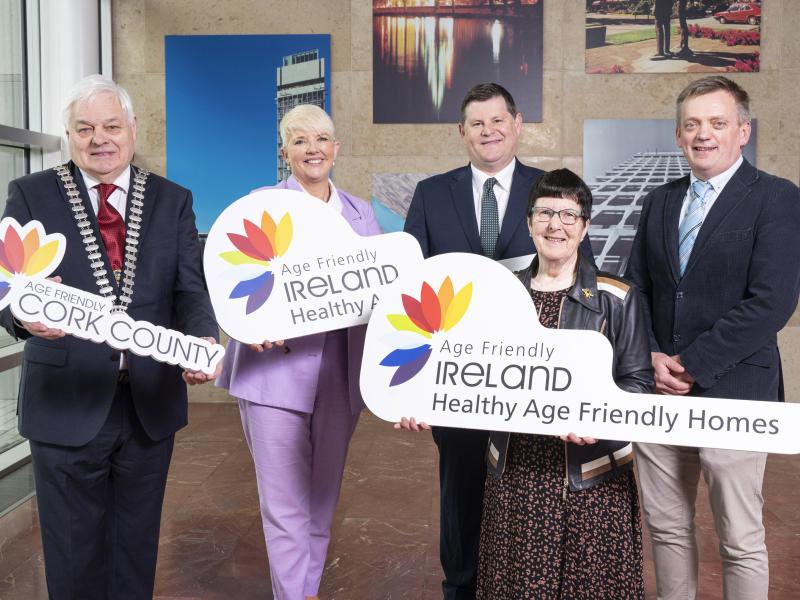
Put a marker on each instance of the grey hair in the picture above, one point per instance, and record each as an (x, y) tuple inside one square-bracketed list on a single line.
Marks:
[(305, 117), (88, 89), (709, 85)]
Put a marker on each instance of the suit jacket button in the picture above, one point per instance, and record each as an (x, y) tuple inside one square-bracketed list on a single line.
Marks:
[(679, 296), (676, 337)]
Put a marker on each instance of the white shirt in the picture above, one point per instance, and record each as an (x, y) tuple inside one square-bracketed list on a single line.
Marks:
[(118, 198), (718, 183), (501, 189), (334, 201)]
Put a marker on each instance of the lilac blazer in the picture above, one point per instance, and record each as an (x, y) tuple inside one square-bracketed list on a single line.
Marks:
[(289, 379)]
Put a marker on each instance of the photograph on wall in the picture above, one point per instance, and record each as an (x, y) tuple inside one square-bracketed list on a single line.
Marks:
[(426, 54), (623, 160), (225, 95), (391, 197), (672, 36)]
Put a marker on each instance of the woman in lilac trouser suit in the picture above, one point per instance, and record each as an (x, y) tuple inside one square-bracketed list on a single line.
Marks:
[(299, 400)]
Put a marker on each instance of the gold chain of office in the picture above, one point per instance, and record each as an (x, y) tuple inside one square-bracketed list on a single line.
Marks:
[(124, 277)]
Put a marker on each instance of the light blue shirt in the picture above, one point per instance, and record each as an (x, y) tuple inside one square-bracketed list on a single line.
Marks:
[(718, 183)]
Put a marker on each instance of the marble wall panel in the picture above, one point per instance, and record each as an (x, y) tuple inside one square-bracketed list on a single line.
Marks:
[(570, 95)]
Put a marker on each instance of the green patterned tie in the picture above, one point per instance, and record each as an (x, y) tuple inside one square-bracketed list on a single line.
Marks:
[(490, 221)]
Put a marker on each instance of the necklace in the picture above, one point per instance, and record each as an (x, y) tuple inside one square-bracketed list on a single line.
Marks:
[(126, 276)]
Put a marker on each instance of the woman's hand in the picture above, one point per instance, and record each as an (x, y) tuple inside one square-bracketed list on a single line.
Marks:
[(265, 345), (578, 440), (411, 425)]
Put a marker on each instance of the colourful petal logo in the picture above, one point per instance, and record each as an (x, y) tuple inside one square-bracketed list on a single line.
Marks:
[(254, 251), (431, 313), (27, 251)]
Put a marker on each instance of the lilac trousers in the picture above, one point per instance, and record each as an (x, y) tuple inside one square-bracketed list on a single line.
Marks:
[(299, 460)]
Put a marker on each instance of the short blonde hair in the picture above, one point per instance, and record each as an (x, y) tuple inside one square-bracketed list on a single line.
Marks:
[(305, 117)]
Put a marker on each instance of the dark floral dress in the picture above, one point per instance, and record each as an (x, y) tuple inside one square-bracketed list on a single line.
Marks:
[(538, 542)]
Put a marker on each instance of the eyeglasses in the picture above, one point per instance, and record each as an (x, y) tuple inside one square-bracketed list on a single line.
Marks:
[(566, 216)]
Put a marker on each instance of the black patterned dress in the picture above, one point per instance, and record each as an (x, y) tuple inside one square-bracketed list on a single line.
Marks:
[(538, 543)]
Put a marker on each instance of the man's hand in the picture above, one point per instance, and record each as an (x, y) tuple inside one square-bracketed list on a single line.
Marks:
[(40, 329), (671, 376), (578, 440), (198, 377)]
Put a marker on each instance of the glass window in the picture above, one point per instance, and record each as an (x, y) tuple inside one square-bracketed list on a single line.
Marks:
[(12, 82), (13, 164)]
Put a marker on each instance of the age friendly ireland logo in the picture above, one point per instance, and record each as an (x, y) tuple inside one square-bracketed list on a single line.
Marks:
[(27, 251), (254, 251), (430, 314)]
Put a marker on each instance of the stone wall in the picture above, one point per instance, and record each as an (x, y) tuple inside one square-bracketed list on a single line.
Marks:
[(570, 95)]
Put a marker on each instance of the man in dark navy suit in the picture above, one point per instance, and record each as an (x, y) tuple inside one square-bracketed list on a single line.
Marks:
[(480, 208), (717, 258), (101, 423)]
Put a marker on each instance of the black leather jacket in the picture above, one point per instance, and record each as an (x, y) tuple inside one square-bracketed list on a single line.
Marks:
[(609, 304)]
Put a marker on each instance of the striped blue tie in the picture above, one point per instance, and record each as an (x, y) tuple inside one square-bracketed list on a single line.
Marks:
[(687, 233)]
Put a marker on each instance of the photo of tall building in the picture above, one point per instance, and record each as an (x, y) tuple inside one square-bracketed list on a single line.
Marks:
[(617, 203), (239, 87), (623, 161), (299, 80)]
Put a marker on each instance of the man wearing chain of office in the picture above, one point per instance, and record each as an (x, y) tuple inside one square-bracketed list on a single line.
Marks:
[(101, 423)]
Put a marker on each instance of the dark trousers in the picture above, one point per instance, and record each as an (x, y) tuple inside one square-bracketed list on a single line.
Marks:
[(462, 473), (100, 508)]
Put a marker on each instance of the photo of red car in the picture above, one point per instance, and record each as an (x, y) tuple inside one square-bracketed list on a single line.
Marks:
[(740, 12)]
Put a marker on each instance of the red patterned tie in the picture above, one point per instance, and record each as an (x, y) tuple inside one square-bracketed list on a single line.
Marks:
[(112, 227)]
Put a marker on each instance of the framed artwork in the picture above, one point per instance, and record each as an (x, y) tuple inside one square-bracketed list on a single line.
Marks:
[(225, 96), (672, 36), (426, 54), (623, 160)]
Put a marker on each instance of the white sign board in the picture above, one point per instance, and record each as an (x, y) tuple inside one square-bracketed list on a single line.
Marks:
[(458, 343), (28, 255), (281, 264)]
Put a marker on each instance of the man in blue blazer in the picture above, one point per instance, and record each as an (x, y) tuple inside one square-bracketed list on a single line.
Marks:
[(717, 259), (101, 424), (444, 216)]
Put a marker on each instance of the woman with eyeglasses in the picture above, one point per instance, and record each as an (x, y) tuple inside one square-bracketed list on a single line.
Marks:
[(561, 516)]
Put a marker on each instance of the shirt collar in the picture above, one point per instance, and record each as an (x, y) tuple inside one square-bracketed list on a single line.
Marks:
[(334, 200), (719, 181), (503, 177), (122, 181)]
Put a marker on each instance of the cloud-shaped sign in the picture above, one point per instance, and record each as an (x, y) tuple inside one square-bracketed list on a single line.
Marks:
[(28, 254), (281, 264), (458, 343)]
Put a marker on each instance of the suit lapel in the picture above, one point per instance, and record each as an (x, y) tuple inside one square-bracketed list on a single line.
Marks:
[(517, 205), (148, 204), (733, 194), (351, 215), (672, 215), (464, 204)]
